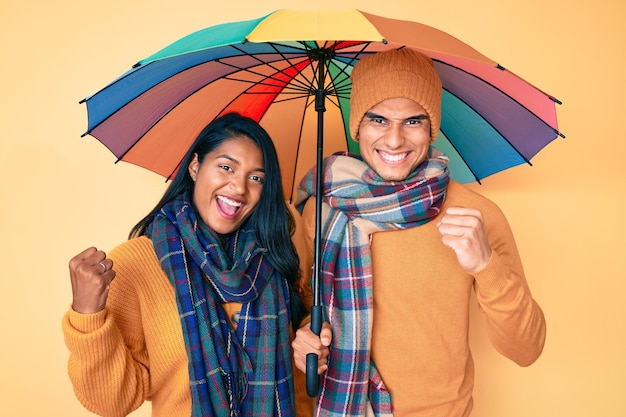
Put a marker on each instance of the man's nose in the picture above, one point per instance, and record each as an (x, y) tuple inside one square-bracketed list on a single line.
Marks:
[(394, 137)]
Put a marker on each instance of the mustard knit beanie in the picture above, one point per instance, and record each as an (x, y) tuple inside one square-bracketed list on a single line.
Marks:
[(391, 74)]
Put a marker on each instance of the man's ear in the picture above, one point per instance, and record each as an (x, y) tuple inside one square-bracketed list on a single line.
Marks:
[(194, 165)]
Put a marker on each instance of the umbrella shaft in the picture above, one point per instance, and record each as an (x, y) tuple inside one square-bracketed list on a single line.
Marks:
[(320, 108)]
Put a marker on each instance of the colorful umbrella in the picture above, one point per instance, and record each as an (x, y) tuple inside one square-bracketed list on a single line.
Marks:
[(290, 71)]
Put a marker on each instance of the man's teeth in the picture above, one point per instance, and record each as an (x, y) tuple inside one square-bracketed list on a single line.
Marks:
[(229, 201), (393, 158)]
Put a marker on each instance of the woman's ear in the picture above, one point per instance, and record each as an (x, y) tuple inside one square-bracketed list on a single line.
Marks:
[(194, 165)]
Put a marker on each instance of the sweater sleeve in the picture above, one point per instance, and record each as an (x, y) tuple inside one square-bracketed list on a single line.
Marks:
[(108, 367), (515, 323)]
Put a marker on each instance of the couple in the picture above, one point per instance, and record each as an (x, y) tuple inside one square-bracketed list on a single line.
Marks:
[(200, 310)]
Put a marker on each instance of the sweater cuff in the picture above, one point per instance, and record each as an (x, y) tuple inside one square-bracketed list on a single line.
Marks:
[(86, 323), (490, 278)]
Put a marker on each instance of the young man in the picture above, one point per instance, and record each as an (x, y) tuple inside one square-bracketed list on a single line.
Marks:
[(397, 303)]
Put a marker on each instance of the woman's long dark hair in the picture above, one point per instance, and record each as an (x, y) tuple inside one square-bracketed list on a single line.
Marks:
[(271, 219)]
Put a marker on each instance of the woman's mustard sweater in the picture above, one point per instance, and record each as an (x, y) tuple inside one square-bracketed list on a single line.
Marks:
[(133, 350)]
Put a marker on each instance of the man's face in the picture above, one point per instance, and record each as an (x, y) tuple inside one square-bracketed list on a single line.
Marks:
[(394, 137)]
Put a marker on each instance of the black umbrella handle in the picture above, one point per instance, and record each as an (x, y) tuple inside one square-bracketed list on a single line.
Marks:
[(312, 378)]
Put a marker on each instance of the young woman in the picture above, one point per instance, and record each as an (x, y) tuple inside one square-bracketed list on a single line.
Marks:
[(193, 312)]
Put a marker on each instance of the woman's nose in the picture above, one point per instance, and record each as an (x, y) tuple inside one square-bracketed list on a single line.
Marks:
[(238, 184)]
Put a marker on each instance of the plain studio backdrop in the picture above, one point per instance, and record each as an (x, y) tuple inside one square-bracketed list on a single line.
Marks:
[(62, 193)]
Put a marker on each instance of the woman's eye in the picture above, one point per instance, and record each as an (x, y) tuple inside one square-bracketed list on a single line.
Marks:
[(225, 167), (257, 178)]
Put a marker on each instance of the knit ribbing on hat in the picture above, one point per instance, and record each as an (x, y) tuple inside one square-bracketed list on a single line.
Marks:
[(392, 74)]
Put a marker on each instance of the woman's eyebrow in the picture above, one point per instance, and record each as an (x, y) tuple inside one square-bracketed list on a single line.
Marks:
[(236, 161)]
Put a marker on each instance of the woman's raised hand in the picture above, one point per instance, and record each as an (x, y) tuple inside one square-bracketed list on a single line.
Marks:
[(91, 274)]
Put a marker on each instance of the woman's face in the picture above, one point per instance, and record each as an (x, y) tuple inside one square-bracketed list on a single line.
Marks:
[(228, 183)]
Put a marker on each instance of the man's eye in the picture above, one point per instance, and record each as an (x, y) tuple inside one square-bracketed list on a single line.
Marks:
[(414, 121), (377, 120)]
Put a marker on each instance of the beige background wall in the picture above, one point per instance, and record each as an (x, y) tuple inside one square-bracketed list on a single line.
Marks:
[(61, 193)]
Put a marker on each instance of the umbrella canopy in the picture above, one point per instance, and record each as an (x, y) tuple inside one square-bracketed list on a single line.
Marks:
[(270, 69)]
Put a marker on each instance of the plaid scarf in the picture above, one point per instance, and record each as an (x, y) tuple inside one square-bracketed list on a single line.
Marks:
[(246, 372), (358, 202)]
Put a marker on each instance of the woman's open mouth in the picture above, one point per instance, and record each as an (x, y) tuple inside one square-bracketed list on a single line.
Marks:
[(227, 206)]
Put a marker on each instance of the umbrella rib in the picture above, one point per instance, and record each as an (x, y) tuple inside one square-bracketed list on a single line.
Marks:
[(87, 99), (307, 104), (302, 90), (290, 89), (141, 66), (295, 163), (307, 96), (265, 82), (554, 99), (340, 85), (309, 83), (344, 85), (556, 132), (307, 87), (494, 128), (330, 88), (302, 84)]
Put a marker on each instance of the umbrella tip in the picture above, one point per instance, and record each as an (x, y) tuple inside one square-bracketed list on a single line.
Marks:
[(556, 100), (561, 135), (137, 65), (500, 67)]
